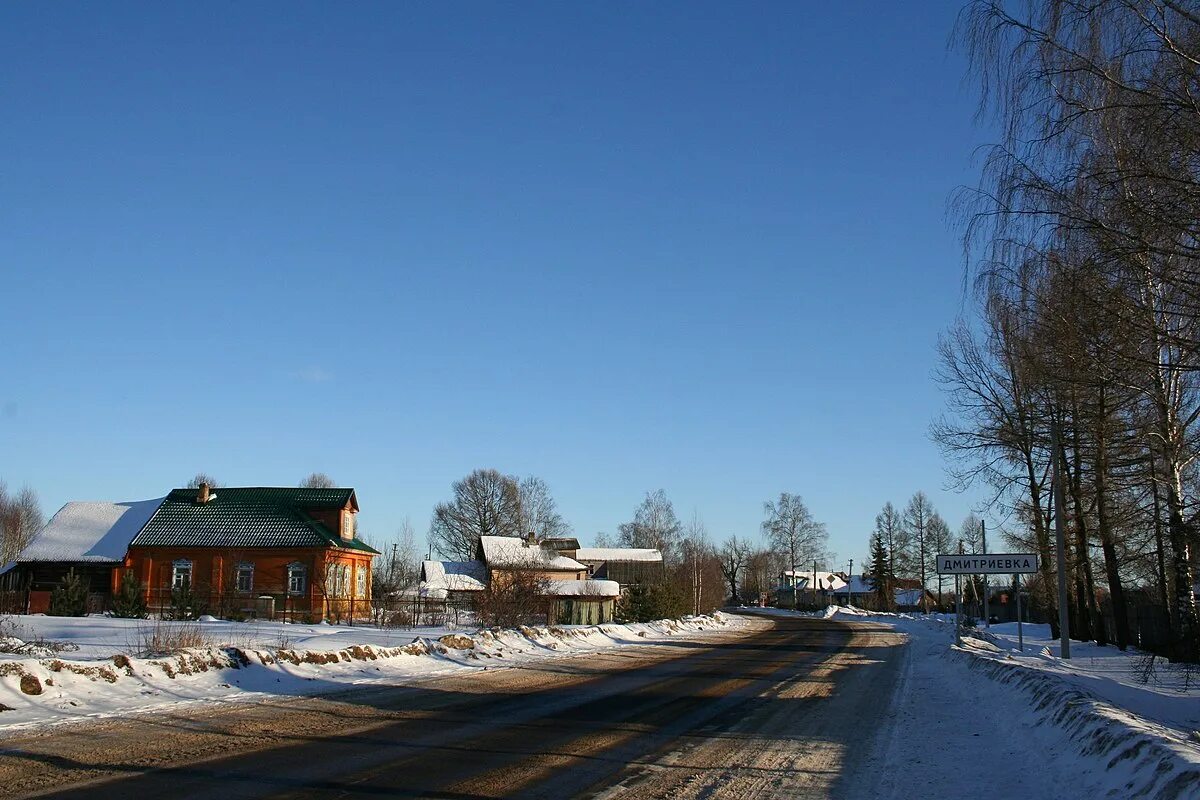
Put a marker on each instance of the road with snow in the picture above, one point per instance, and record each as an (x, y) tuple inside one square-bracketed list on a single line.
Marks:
[(785, 708)]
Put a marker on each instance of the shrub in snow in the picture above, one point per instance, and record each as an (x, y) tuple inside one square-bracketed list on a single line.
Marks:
[(647, 602), (69, 598), (129, 602), (163, 639), (186, 604)]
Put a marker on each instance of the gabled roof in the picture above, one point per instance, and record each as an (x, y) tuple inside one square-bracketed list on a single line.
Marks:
[(590, 554), (90, 532), (510, 552), (859, 584), (454, 576), (249, 517)]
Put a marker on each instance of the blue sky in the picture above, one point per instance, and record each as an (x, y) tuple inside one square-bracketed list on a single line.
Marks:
[(697, 247)]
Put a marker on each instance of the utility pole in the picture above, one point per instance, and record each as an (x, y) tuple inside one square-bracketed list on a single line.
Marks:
[(849, 580), (1060, 536), (987, 617)]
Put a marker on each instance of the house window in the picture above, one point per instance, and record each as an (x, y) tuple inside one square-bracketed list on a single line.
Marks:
[(243, 577), (181, 574), (297, 578), (361, 581), (337, 580), (347, 525)]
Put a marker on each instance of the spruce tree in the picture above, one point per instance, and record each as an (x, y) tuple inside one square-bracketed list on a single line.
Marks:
[(881, 573), (129, 602), (69, 598)]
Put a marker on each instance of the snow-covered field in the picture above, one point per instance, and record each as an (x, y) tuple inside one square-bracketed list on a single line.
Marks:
[(1026, 723), (60, 669)]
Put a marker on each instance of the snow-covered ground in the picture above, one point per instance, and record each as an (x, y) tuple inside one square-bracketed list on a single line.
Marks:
[(61, 669), (1026, 723)]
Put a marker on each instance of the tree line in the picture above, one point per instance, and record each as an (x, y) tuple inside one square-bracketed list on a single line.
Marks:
[(1083, 351), (904, 546)]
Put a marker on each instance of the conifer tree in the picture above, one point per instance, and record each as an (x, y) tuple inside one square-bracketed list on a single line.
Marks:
[(129, 602), (880, 571), (69, 598)]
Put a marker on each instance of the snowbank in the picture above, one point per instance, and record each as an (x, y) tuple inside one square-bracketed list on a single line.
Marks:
[(1123, 738), (38, 687)]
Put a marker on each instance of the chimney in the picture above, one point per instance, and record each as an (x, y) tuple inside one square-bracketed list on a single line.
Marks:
[(203, 494), (530, 539)]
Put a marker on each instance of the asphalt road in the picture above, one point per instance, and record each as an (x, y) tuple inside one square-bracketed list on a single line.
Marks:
[(788, 710)]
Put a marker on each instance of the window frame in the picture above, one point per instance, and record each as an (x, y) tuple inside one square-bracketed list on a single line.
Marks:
[(240, 570), (181, 568), (297, 578)]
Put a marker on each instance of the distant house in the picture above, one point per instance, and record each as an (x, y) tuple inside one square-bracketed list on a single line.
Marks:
[(289, 552), (814, 587), (443, 580), (859, 591), (572, 596), (907, 594), (88, 538)]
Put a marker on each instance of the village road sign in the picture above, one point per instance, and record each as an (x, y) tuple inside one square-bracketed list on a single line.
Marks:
[(990, 564)]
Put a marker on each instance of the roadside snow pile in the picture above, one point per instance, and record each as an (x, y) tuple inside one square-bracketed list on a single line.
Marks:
[(40, 687), (1123, 737)]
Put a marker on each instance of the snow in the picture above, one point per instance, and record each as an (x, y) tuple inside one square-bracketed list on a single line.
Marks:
[(588, 588), (859, 584), (909, 597), (454, 576), (988, 709), (826, 581), (88, 531), (617, 554), (100, 673), (510, 551)]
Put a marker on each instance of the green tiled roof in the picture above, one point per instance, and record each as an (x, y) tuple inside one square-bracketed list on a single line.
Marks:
[(248, 517)]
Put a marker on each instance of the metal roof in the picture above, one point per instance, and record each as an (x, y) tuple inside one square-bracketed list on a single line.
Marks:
[(248, 517), (89, 532)]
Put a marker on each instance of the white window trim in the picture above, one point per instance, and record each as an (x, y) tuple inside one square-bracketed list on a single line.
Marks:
[(243, 567), (179, 567), (296, 570)]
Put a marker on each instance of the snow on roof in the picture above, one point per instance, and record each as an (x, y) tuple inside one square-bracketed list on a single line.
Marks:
[(590, 588), (454, 576), (825, 580), (617, 554), (909, 597), (86, 531), (510, 551), (859, 584)]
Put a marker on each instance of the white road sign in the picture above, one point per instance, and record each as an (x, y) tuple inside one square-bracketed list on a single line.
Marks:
[(990, 564)]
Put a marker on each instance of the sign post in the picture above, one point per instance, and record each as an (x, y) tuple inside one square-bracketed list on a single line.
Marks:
[(989, 564), (987, 613), (1020, 632)]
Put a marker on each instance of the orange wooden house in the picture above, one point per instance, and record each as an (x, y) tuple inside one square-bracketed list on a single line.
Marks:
[(279, 552)]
